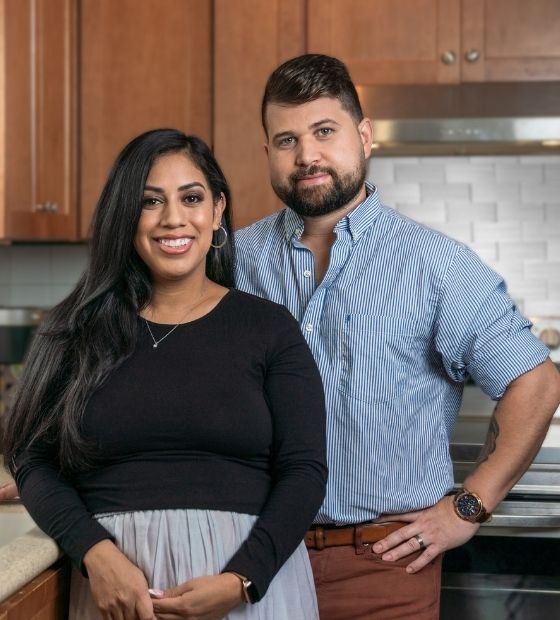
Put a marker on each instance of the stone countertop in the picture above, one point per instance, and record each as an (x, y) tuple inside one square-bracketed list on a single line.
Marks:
[(25, 557)]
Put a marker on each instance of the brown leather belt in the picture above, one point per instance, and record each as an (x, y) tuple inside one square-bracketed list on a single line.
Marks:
[(321, 536)]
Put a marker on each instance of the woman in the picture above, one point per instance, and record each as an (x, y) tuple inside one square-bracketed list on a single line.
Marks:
[(168, 430)]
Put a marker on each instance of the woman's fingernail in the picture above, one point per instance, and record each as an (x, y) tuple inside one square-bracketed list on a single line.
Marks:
[(155, 593)]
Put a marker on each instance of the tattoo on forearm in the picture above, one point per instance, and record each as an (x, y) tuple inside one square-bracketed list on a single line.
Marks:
[(490, 443)]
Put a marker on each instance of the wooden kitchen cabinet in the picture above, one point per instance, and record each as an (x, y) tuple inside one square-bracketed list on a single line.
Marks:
[(143, 65), (439, 41), (38, 120), (251, 38), (43, 598)]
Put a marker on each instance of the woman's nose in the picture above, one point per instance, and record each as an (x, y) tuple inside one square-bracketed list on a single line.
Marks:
[(173, 214)]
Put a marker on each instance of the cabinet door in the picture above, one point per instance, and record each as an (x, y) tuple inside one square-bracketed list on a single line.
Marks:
[(510, 40), (251, 38), (143, 65), (388, 41), (39, 119)]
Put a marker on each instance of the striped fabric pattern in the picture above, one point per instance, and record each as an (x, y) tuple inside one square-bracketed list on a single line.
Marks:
[(403, 315)]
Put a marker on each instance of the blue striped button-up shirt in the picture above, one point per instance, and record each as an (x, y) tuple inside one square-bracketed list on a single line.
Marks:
[(401, 317)]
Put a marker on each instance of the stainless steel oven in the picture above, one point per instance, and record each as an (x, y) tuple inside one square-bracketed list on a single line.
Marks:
[(511, 569)]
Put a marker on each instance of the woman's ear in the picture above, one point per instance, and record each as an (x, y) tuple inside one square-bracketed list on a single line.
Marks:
[(219, 207)]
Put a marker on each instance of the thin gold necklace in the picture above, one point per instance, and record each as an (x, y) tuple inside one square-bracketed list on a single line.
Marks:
[(183, 319)]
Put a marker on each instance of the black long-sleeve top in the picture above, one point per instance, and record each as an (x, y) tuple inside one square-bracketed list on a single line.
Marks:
[(227, 413)]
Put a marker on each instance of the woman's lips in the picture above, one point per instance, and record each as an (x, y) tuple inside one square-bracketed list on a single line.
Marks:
[(174, 245)]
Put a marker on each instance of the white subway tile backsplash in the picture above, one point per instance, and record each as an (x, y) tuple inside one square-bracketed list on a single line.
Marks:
[(381, 170), (488, 252), (547, 270), (549, 192), (31, 264), (512, 251), (539, 231), (519, 173), (392, 193), (460, 231), (494, 192), (68, 266), (492, 159), (420, 173), (480, 212), (552, 213), (518, 211), (448, 191), (553, 250), (552, 173), (430, 212), (470, 173), (486, 232), (31, 295), (541, 306)]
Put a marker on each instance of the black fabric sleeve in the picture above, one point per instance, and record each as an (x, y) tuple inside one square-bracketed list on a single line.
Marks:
[(296, 399), (54, 504)]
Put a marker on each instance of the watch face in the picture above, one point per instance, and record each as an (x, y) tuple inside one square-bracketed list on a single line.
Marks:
[(468, 505)]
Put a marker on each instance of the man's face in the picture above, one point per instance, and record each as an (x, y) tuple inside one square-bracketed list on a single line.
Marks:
[(317, 156)]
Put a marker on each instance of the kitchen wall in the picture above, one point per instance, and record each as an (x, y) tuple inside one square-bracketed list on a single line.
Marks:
[(506, 207)]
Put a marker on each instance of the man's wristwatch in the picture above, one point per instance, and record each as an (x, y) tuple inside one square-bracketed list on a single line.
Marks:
[(249, 591), (469, 507)]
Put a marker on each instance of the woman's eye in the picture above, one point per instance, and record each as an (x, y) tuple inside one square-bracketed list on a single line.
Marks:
[(193, 199), (149, 202)]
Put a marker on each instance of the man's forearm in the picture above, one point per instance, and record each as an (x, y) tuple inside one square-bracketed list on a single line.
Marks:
[(517, 429)]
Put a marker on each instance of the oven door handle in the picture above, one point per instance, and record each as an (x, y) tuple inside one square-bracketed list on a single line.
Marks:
[(499, 520)]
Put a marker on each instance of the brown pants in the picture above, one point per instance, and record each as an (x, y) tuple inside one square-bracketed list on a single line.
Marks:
[(358, 585)]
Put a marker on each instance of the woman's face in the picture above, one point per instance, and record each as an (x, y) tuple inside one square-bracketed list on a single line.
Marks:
[(178, 219)]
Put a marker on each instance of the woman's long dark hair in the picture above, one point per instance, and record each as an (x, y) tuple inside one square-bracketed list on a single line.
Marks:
[(93, 330)]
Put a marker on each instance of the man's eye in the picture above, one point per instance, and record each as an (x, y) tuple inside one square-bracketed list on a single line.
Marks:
[(287, 141), (325, 131)]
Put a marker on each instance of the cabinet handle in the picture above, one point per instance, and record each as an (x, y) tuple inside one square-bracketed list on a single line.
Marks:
[(472, 55), (51, 207), (38, 208), (448, 57)]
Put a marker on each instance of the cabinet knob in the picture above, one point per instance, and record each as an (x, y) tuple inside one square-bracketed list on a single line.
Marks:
[(38, 208), (51, 207), (448, 57), (472, 55)]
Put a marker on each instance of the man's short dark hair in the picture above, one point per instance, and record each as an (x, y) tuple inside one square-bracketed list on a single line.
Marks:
[(307, 78)]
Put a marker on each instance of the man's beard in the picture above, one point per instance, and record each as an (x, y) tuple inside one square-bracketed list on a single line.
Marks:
[(317, 200)]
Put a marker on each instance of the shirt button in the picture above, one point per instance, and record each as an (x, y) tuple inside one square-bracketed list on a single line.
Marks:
[(307, 273), (309, 327)]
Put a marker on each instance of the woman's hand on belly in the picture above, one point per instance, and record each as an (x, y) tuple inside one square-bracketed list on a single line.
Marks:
[(119, 588), (202, 598)]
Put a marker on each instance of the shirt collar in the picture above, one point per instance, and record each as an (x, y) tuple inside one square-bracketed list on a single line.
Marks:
[(356, 222)]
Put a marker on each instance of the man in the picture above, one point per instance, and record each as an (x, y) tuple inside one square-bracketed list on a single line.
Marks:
[(397, 316)]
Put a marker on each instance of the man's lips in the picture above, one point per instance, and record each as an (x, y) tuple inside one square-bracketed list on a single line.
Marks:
[(312, 179)]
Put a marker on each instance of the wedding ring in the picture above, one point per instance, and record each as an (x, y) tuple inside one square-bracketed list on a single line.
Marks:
[(419, 540)]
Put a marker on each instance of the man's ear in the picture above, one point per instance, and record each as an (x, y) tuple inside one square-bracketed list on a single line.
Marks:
[(365, 129)]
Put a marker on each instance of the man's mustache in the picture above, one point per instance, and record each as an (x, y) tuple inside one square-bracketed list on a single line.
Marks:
[(301, 174)]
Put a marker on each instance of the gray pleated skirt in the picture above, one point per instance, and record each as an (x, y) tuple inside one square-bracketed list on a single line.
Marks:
[(173, 546)]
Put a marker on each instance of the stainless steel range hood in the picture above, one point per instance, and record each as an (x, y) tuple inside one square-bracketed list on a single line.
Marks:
[(464, 119)]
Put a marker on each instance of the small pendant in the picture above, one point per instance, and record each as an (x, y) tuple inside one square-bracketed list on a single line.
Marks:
[(154, 346)]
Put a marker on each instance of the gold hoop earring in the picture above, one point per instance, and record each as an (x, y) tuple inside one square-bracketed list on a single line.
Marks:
[(220, 245)]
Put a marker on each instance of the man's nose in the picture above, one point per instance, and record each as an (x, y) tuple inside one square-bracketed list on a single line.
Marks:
[(307, 152)]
